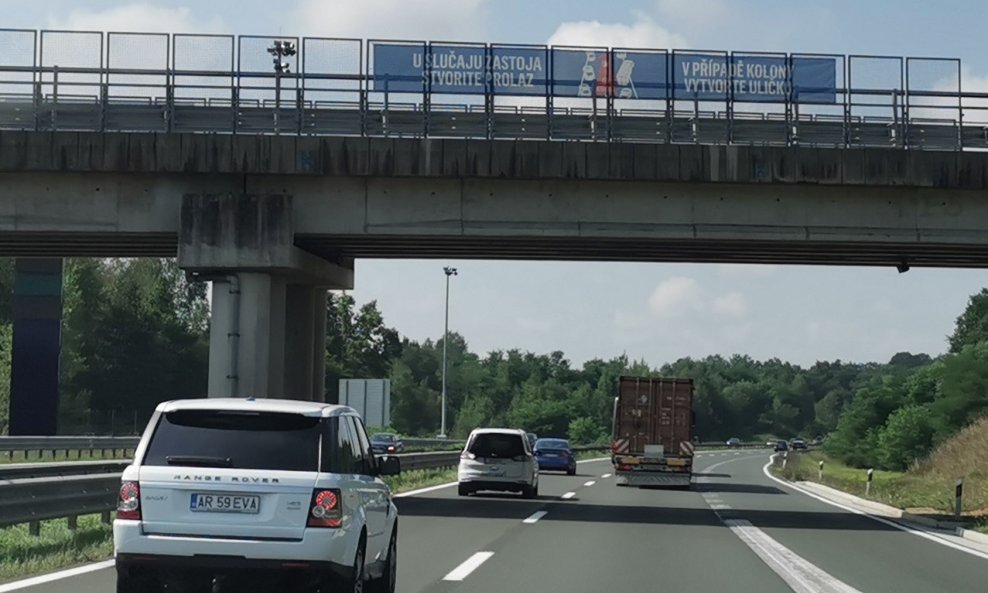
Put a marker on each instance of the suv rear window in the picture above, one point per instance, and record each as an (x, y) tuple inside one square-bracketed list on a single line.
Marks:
[(243, 440), (551, 444), (503, 446)]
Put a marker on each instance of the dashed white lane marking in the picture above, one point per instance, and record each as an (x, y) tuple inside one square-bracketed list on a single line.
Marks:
[(535, 517), (801, 575), (469, 565), (56, 576), (719, 506), (605, 475), (568, 495), (590, 483)]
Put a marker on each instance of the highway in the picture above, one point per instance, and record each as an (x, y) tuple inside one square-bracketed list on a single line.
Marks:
[(738, 531)]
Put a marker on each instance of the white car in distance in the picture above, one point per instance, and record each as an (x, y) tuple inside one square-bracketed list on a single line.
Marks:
[(498, 459), (230, 494)]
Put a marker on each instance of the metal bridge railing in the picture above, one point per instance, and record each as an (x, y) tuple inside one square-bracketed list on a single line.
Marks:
[(126, 82)]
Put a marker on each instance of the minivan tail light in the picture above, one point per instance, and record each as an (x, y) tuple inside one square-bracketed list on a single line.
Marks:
[(129, 503), (326, 509)]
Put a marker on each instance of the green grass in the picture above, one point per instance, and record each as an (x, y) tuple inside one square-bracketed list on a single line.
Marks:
[(925, 493), (22, 554), (582, 455), (420, 478)]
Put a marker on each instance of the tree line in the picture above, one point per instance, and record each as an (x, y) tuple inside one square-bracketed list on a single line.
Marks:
[(135, 332)]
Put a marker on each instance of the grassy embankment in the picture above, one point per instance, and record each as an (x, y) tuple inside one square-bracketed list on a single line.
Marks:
[(925, 489)]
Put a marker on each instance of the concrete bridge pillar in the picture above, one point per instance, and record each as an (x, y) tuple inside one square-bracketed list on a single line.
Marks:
[(268, 321)]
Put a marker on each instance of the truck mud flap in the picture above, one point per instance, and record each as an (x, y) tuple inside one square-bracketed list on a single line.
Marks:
[(653, 479)]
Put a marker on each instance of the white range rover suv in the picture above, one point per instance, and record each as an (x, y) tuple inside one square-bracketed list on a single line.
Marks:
[(236, 494)]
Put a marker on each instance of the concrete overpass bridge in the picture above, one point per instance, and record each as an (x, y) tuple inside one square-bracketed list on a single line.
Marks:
[(271, 184)]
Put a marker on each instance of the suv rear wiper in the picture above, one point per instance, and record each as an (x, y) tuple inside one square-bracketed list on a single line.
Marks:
[(199, 460)]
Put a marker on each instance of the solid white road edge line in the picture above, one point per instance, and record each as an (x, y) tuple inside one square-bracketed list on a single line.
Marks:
[(469, 565), (590, 483), (924, 534), (801, 575), (568, 495), (535, 517), (55, 576)]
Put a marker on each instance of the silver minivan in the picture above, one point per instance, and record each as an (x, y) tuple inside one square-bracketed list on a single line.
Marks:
[(498, 459)]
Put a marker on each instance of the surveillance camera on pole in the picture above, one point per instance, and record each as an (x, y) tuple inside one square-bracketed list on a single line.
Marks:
[(279, 50)]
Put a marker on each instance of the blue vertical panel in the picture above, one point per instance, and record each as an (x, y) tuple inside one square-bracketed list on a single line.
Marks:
[(37, 340)]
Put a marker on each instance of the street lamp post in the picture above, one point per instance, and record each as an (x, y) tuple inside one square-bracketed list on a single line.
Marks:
[(280, 50), (442, 430)]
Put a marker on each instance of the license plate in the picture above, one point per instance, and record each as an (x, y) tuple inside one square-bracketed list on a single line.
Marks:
[(550, 455), (224, 503)]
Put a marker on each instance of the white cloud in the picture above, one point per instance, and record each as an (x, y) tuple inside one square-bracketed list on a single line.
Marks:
[(730, 305), (137, 17), (643, 33), (453, 20), (675, 296), (693, 13)]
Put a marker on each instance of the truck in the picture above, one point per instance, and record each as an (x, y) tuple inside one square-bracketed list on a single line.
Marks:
[(653, 426)]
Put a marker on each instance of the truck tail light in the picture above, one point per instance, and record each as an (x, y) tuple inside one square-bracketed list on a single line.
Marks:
[(326, 509), (129, 503)]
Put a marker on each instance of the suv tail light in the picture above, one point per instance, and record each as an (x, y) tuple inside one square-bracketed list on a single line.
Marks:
[(129, 503), (326, 509)]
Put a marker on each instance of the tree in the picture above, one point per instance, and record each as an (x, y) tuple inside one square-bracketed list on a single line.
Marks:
[(135, 335), (6, 335), (972, 325), (963, 393), (584, 431), (358, 344), (907, 436)]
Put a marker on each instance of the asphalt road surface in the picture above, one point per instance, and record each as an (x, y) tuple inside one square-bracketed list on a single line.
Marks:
[(737, 531)]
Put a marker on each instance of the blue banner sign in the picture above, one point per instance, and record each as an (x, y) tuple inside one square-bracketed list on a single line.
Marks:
[(460, 69), (707, 77), (600, 73)]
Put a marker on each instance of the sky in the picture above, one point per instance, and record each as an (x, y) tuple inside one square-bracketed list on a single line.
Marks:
[(654, 312)]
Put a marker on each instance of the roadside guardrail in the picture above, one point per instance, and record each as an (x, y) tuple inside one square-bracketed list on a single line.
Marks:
[(126, 444), (34, 492), (77, 444)]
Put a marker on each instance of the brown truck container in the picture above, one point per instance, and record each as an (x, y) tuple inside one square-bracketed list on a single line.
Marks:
[(653, 431)]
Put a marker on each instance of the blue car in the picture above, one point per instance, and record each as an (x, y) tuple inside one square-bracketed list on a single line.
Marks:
[(555, 455)]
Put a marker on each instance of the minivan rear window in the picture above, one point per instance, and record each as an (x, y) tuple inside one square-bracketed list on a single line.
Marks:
[(235, 439), (502, 446)]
